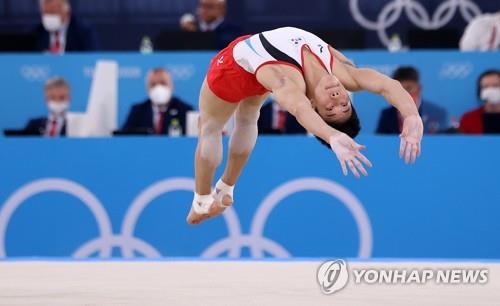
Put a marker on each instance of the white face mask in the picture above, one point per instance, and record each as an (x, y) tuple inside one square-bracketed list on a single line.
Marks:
[(160, 94), (57, 108), (52, 22), (491, 95)]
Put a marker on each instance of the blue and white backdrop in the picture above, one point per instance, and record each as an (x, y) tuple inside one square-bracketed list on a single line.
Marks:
[(129, 197), (448, 78)]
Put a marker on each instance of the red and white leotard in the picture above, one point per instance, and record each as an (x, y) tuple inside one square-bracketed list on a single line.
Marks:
[(231, 75)]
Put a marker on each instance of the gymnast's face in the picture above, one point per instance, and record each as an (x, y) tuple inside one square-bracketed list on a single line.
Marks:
[(332, 101)]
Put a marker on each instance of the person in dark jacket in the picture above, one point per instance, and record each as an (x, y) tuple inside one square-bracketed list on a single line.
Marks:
[(57, 97), (211, 17), (161, 113), (275, 120), (61, 31), (434, 117)]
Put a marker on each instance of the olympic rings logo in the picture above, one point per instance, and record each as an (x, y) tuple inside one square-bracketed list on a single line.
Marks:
[(181, 72), (456, 70), (35, 73), (417, 14), (232, 244)]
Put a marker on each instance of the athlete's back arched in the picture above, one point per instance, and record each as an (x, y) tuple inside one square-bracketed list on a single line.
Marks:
[(284, 45)]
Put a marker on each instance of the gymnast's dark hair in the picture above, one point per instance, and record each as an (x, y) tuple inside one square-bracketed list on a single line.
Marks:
[(351, 127)]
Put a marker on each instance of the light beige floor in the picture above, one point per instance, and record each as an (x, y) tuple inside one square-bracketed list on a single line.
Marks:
[(222, 283)]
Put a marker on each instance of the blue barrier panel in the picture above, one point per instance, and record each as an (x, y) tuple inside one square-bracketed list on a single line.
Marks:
[(448, 78), (131, 196)]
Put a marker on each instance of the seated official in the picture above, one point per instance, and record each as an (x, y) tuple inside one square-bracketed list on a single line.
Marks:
[(211, 17), (60, 31), (162, 113), (275, 120), (434, 117), (486, 118), (57, 97)]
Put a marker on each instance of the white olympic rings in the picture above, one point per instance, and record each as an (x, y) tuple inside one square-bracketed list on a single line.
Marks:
[(232, 244), (416, 13)]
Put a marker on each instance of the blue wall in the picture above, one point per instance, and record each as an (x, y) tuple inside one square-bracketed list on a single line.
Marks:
[(448, 78), (447, 205)]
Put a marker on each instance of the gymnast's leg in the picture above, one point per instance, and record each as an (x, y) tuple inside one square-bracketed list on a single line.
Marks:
[(241, 144), (243, 137), (214, 113)]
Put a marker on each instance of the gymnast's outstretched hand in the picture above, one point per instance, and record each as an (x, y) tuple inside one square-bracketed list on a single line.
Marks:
[(349, 155), (411, 136)]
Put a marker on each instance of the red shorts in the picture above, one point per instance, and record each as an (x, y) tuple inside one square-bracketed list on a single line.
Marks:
[(228, 80)]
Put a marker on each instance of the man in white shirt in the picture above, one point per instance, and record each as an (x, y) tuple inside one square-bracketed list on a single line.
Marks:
[(482, 34), (57, 98)]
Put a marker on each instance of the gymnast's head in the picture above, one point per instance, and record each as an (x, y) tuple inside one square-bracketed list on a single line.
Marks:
[(333, 103)]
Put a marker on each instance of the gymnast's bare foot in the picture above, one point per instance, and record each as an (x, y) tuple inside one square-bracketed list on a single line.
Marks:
[(227, 202), (196, 217), (201, 208)]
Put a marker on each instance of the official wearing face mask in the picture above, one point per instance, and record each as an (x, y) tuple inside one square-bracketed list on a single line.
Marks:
[(60, 31), (57, 97), (486, 118), (162, 113)]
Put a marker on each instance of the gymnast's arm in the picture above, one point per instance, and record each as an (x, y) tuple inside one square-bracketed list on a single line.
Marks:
[(289, 92), (355, 79), (288, 88), (345, 148)]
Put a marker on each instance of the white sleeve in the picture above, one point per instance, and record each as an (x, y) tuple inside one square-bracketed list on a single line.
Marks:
[(474, 35)]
